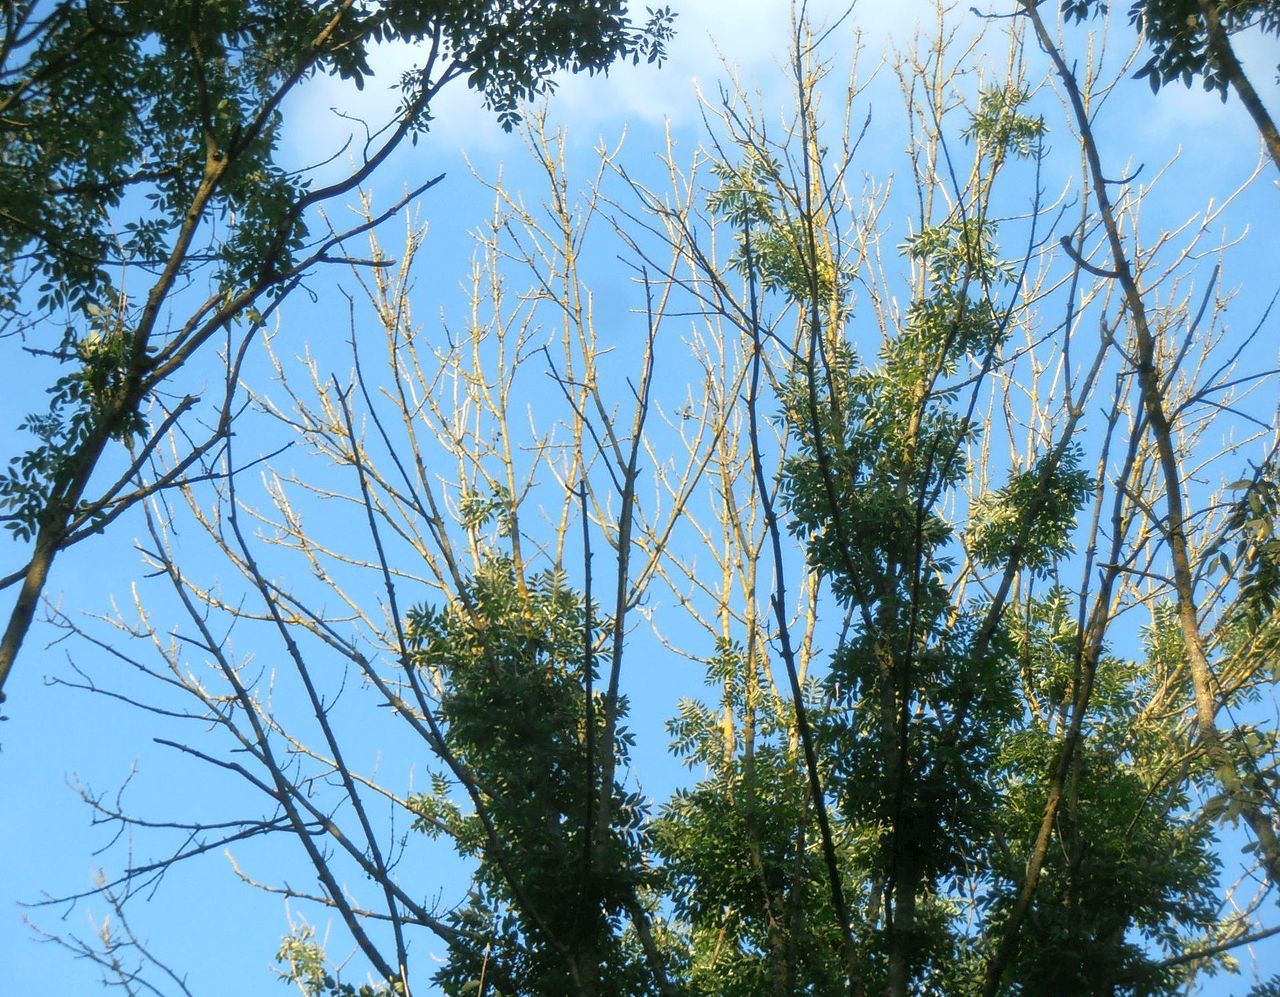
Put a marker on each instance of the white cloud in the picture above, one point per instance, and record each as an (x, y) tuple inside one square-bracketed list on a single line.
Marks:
[(715, 38)]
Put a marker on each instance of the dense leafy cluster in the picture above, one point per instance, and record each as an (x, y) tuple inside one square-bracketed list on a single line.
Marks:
[(509, 659), (106, 101), (109, 101), (1180, 46), (921, 688), (999, 123), (511, 51), (1001, 531), (745, 881), (773, 241), (1130, 871), (1255, 522)]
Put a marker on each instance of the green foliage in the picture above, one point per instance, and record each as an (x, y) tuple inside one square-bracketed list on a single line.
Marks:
[(1255, 523), (744, 197), (771, 236), (478, 511), (508, 655), (513, 60), (306, 961), (958, 317), (103, 392), (1078, 10), (1176, 32), (738, 861), (878, 447), (1029, 521), (307, 966), (129, 129), (1247, 550), (959, 252), (1268, 988), (999, 126), (1130, 869), (921, 689), (119, 97)]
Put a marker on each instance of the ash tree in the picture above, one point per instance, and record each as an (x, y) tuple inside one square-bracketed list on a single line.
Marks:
[(960, 504)]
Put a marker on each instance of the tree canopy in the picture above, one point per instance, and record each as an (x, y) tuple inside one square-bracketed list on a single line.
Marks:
[(932, 493)]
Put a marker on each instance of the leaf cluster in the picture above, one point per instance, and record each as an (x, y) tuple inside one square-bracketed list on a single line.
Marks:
[(998, 124), (772, 238), (1132, 868), (1029, 520), (508, 657), (307, 967)]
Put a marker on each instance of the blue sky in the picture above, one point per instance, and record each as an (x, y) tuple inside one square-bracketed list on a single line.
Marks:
[(200, 918)]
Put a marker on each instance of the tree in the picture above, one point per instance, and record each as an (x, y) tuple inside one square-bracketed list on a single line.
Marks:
[(146, 212), (980, 643)]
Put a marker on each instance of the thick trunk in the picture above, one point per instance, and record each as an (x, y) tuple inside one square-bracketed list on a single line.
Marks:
[(902, 930)]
